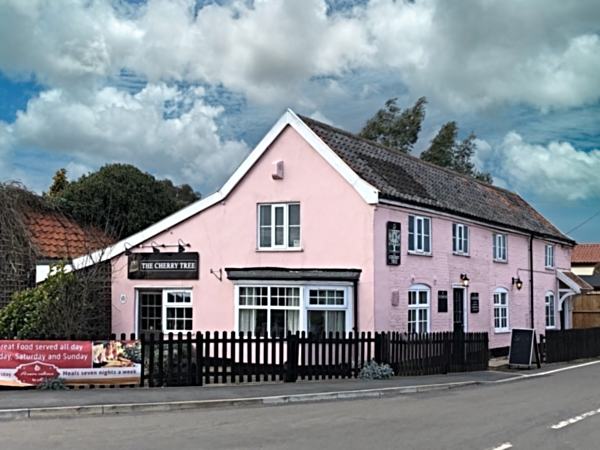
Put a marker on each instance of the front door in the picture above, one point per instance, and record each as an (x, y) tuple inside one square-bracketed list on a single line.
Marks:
[(459, 308)]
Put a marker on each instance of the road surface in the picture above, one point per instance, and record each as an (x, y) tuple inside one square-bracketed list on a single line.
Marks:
[(555, 412)]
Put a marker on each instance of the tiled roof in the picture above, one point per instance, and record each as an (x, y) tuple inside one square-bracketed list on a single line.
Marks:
[(55, 236), (586, 253), (593, 280), (408, 179)]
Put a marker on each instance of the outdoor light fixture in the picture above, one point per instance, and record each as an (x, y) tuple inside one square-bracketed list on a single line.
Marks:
[(127, 246), (181, 246), (154, 246), (465, 279), (517, 282)]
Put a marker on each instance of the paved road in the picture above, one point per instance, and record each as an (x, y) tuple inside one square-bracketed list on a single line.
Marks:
[(490, 417)]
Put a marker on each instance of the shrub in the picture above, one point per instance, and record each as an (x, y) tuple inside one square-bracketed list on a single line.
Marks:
[(52, 384), (375, 371)]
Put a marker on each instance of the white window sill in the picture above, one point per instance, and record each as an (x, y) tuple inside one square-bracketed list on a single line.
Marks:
[(461, 254), (549, 268), (501, 261), (412, 252), (282, 249), (551, 328), (501, 331)]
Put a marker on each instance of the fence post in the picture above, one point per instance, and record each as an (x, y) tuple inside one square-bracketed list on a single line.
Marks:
[(291, 373), (143, 358), (378, 356)]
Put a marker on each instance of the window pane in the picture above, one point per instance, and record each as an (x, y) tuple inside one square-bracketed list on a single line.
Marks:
[(279, 215), (294, 214), (294, 236), (278, 327), (279, 235), (316, 322), (265, 215), (253, 320), (336, 321), (265, 236)]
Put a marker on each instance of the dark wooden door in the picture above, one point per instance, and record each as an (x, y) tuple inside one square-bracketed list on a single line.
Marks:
[(459, 309)]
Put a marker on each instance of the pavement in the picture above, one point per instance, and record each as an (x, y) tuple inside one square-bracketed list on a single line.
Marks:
[(556, 409), (25, 404)]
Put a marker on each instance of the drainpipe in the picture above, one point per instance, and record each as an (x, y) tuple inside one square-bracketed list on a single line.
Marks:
[(356, 306), (531, 290)]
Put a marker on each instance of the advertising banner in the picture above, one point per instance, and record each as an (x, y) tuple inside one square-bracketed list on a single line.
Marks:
[(27, 363)]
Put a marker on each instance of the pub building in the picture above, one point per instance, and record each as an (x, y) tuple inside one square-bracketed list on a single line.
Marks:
[(319, 230)]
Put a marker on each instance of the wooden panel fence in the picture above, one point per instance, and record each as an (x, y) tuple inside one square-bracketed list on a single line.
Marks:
[(208, 358), (567, 345)]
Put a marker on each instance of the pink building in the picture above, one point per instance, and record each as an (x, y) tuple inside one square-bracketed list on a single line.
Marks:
[(319, 230)]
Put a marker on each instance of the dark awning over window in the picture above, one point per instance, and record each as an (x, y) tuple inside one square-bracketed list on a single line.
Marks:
[(282, 273)]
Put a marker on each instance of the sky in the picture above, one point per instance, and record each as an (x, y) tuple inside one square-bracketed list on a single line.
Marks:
[(184, 89)]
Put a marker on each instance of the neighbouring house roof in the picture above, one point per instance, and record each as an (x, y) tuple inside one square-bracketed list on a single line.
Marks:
[(405, 178), (592, 280), (55, 236), (280, 273), (376, 173), (586, 254)]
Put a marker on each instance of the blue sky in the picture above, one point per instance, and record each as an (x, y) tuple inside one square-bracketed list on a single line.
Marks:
[(184, 89)]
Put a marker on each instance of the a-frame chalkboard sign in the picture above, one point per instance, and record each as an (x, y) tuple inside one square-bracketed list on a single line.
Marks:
[(523, 348)]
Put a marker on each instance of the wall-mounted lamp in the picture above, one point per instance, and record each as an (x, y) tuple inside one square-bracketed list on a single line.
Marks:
[(154, 246), (464, 279), (127, 246), (517, 282), (181, 246)]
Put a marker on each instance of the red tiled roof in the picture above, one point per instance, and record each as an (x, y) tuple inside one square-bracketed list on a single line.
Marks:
[(586, 253), (55, 236)]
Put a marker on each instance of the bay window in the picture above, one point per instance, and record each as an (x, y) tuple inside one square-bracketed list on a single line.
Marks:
[(279, 226), (281, 309)]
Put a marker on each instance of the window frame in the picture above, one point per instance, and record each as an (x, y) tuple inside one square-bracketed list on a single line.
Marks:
[(549, 256), (268, 307), (166, 305), (506, 329), (273, 226), (553, 306), (504, 238), (304, 307), (418, 288), (460, 246), (326, 308), (414, 238)]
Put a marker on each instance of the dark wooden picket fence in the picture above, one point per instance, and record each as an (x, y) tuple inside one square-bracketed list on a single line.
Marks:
[(207, 358), (567, 345)]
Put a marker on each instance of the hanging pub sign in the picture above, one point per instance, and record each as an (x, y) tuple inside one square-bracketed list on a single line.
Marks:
[(163, 266), (393, 244)]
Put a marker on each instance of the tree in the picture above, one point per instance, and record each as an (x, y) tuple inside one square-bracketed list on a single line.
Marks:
[(395, 127), (59, 183), (442, 149), (122, 200)]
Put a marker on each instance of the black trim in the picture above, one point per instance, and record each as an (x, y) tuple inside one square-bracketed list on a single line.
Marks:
[(531, 291), (292, 274)]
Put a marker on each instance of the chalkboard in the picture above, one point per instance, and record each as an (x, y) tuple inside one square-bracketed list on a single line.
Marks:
[(521, 347)]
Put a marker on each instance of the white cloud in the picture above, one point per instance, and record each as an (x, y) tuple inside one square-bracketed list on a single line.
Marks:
[(160, 129), (467, 54), (556, 171)]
